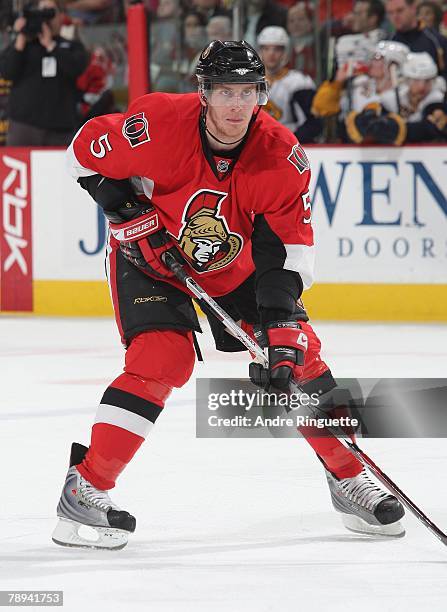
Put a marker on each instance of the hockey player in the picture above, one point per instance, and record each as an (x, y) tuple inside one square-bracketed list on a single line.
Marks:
[(364, 102), (413, 111), (421, 95), (359, 83), (225, 187), (384, 73), (291, 91)]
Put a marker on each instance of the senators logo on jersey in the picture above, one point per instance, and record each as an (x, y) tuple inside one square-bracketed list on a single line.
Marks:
[(299, 159), (136, 130), (205, 238)]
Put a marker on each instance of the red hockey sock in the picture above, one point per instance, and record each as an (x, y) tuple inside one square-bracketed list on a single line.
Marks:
[(133, 402), (111, 449), (336, 457)]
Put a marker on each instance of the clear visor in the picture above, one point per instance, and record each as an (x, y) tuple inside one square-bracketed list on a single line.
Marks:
[(234, 94)]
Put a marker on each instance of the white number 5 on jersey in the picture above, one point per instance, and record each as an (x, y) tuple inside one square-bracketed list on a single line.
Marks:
[(307, 207), (98, 149)]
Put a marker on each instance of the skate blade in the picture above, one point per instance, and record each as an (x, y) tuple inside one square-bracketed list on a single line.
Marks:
[(73, 534), (358, 525)]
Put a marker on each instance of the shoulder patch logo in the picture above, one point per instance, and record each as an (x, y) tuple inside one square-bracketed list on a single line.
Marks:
[(299, 159), (136, 130)]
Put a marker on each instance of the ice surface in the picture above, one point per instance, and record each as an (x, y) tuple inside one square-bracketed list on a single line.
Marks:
[(241, 525)]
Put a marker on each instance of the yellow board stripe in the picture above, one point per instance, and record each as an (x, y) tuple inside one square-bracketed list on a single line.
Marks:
[(72, 298), (377, 302), (342, 302)]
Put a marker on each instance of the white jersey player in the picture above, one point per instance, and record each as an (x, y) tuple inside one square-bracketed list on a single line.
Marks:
[(291, 91), (384, 73), (414, 111), (422, 87)]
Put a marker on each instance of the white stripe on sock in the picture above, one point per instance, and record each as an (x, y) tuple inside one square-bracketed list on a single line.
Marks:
[(123, 418)]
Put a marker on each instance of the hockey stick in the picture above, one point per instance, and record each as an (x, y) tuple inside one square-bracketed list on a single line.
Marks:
[(202, 296)]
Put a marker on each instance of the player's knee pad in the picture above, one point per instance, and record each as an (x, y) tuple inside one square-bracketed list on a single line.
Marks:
[(157, 361), (165, 355)]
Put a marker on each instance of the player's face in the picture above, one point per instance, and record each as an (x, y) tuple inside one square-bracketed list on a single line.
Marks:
[(377, 68), (272, 57), (230, 108), (420, 88)]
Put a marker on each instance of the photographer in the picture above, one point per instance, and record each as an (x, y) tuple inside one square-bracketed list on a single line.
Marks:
[(43, 68)]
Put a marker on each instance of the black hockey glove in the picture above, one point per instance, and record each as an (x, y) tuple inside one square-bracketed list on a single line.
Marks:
[(388, 129), (358, 125), (115, 197)]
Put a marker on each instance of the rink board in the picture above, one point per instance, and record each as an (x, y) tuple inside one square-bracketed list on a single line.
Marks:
[(379, 216)]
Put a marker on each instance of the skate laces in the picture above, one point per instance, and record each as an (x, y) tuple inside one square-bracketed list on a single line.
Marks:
[(363, 491), (95, 497)]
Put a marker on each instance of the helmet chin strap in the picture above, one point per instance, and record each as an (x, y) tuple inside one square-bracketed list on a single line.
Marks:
[(221, 141)]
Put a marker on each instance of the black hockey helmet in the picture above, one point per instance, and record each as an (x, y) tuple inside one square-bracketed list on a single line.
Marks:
[(231, 62)]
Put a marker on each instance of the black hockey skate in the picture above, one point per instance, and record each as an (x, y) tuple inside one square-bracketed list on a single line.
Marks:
[(365, 507), (87, 516)]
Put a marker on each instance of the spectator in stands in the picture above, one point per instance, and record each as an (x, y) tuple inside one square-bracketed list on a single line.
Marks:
[(194, 34), (90, 12), (353, 54), (429, 15), (403, 16), (354, 51), (166, 45), (302, 39), (95, 86), (291, 92), (43, 68), (259, 14), (168, 9), (194, 40), (367, 16), (415, 111), (219, 28), (209, 8)]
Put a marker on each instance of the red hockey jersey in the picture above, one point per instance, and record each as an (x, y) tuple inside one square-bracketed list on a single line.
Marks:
[(259, 211)]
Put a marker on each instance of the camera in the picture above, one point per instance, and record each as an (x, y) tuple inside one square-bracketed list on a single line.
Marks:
[(35, 18)]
